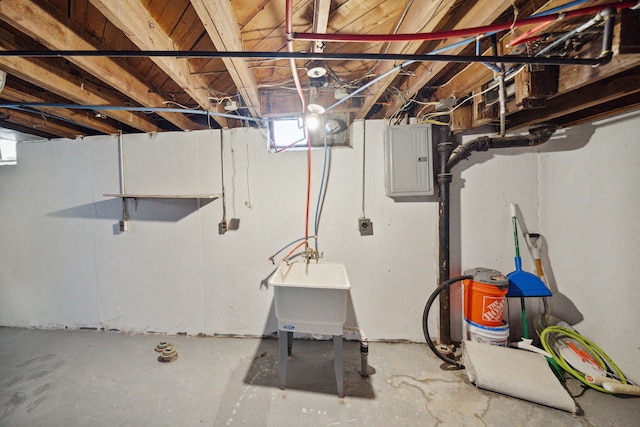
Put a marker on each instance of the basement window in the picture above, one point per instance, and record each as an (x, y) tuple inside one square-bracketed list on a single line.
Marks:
[(290, 133), (8, 152)]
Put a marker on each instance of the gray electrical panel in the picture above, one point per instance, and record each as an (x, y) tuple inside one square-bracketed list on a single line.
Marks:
[(408, 162)]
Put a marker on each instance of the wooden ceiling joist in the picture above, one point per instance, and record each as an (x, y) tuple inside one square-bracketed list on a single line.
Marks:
[(578, 87), (133, 19), (69, 87), (604, 91), (320, 22), (11, 94), (221, 25), (482, 12), (420, 16), (41, 123), (234, 25), (471, 77), (56, 33)]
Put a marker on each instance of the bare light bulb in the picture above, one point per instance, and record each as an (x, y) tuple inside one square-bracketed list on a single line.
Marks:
[(313, 121)]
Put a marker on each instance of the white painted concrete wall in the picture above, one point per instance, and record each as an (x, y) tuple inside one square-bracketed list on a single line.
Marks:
[(65, 265), (589, 204)]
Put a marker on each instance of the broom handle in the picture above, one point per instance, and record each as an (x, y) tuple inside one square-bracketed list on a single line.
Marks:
[(514, 221), (539, 269), (525, 327)]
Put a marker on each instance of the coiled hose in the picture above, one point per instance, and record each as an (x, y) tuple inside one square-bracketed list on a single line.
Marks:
[(602, 358), (425, 319)]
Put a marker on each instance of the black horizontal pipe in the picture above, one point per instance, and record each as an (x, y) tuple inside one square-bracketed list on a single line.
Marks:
[(537, 135), (506, 59)]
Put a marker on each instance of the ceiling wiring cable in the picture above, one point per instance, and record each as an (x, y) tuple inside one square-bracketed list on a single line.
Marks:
[(461, 103), (399, 67), (433, 122), (184, 107), (395, 69), (458, 44), (46, 115), (526, 37)]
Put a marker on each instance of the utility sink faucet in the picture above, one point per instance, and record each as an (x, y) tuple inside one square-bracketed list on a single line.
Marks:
[(310, 254)]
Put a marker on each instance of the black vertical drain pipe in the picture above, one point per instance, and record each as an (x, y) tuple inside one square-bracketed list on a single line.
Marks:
[(448, 158), (444, 179)]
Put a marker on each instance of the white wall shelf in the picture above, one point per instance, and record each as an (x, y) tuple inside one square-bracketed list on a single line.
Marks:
[(165, 196), (201, 199)]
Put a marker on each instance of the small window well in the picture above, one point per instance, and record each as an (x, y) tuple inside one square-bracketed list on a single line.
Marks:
[(8, 152), (290, 133)]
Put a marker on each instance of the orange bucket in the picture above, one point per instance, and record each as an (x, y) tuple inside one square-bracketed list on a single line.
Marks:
[(484, 297)]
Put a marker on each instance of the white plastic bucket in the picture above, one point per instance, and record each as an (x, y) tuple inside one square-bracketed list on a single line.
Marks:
[(498, 335)]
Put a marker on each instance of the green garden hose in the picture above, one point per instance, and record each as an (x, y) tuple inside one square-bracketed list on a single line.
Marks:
[(599, 355)]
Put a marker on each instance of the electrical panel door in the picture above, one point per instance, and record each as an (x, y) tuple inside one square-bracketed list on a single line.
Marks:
[(408, 161)]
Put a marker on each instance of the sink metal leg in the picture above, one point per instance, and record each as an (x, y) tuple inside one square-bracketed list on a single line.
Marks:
[(289, 342), (283, 340), (338, 363)]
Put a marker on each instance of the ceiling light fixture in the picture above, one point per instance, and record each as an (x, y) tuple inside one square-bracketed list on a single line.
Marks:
[(315, 69), (316, 108), (231, 105)]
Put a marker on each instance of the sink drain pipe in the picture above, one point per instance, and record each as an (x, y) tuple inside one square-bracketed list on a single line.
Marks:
[(364, 349), (449, 157)]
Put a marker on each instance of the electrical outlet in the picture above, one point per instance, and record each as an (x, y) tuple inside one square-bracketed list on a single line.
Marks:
[(222, 227), (123, 225), (365, 226)]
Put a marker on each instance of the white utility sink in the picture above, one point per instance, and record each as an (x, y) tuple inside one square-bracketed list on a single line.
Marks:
[(311, 298)]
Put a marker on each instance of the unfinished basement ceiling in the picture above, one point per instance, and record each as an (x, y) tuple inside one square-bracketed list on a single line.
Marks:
[(564, 95)]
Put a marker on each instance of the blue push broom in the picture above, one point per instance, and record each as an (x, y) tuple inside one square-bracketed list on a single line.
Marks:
[(522, 283)]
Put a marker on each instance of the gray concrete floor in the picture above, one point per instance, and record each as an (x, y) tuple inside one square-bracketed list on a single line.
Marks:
[(93, 378)]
